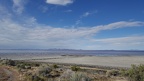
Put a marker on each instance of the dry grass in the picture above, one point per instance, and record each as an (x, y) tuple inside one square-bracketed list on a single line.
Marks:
[(53, 72)]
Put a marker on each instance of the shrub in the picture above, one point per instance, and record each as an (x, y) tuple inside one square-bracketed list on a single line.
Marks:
[(75, 68), (55, 66), (36, 78), (21, 66), (9, 62), (135, 73), (66, 74), (44, 71), (27, 67), (80, 77), (36, 65), (76, 77), (112, 73), (54, 73)]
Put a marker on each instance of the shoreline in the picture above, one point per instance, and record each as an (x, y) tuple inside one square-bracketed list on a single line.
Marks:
[(80, 65), (113, 61), (86, 60)]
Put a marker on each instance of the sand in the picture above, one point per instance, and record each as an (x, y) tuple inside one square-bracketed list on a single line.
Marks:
[(114, 61)]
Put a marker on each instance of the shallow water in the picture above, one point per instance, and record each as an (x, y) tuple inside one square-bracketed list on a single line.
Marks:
[(31, 54)]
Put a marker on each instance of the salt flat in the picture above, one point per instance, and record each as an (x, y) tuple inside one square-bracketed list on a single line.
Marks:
[(114, 61)]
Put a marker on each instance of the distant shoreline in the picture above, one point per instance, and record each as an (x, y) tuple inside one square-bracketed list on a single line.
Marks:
[(88, 61), (81, 65), (65, 52), (123, 61), (81, 57)]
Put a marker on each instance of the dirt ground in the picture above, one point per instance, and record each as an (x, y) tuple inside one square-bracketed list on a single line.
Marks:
[(8, 74)]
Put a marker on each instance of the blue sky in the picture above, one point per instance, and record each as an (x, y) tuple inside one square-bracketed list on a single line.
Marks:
[(72, 24)]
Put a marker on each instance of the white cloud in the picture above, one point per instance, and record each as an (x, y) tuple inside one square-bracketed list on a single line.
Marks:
[(59, 2), (122, 40), (78, 22), (43, 36), (120, 24), (30, 34), (68, 11), (88, 14), (43, 32), (123, 43), (4, 13), (18, 6)]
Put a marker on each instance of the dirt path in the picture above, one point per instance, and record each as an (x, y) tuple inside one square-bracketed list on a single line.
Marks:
[(8, 74)]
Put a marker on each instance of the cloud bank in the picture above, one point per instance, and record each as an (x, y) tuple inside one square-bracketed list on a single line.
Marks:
[(59, 2), (31, 34), (43, 36)]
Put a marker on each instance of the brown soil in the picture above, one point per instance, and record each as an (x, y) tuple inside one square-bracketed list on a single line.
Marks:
[(8, 74)]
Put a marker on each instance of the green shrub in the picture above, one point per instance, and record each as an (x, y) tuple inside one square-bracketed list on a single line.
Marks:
[(55, 66), (75, 68), (135, 73), (9, 62)]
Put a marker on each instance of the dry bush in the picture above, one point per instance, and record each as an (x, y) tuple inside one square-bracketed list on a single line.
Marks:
[(74, 76), (110, 73)]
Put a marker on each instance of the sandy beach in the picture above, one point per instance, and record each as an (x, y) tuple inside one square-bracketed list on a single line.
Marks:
[(114, 61)]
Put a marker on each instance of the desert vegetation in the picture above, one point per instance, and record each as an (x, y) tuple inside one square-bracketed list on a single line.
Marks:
[(33, 71), (135, 73)]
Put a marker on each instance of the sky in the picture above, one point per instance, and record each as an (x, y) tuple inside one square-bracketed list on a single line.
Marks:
[(72, 24)]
